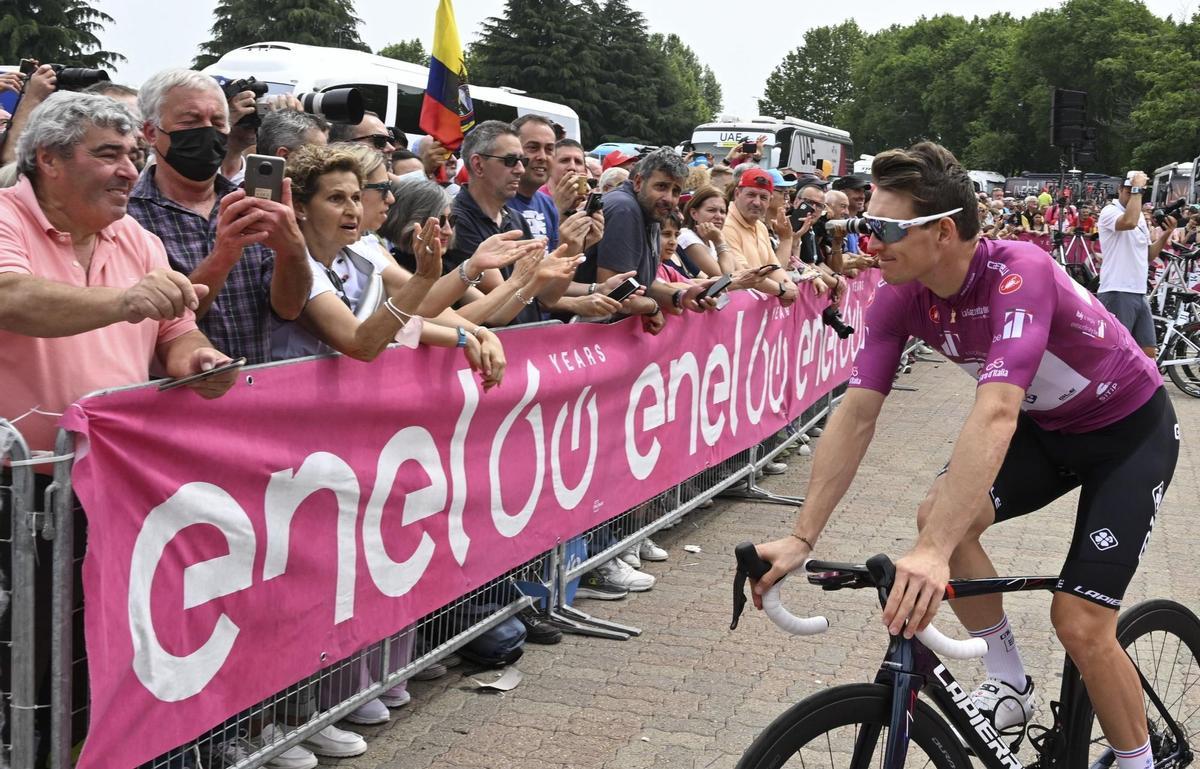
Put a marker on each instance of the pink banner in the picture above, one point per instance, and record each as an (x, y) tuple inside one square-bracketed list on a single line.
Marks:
[(236, 546), (1077, 250)]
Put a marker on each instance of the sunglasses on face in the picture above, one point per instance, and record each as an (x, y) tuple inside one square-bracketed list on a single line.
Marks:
[(894, 230), (383, 188), (378, 141), (508, 160), (448, 220)]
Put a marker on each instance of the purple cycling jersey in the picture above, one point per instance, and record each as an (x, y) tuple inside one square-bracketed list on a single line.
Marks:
[(1018, 318)]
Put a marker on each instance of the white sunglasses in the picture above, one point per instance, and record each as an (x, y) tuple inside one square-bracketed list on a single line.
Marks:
[(893, 230)]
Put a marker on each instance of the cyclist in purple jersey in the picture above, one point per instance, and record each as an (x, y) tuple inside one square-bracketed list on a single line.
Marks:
[(1065, 400)]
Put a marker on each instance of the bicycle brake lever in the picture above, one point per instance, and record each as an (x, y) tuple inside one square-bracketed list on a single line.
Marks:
[(748, 565)]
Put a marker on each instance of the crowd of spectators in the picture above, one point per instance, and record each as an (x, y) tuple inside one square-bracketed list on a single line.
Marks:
[(126, 211)]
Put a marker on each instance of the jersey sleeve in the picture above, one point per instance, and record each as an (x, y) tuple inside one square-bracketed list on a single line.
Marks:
[(1108, 218), (886, 330), (1022, 304)]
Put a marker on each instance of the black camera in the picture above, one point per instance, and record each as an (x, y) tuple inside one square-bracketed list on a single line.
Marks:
[(233, 87), (69, 78), (339, 105), (832, 317), (1173, 210)]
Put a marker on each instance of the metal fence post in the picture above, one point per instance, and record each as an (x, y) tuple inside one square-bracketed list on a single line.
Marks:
[(23, 695), (61, 527)]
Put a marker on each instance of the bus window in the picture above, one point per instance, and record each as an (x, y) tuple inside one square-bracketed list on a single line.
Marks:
[(408, 108)]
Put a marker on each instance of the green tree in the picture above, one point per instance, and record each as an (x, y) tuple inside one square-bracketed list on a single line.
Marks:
[(1167, 120), (412, 51), (813, 80), (54, 32), (330, 23), (686, 90)]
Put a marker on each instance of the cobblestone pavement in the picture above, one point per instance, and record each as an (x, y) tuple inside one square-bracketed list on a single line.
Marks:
[(690, 694)]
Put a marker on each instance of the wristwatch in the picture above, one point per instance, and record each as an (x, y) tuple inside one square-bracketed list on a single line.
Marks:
[(782, 289), (1136, 190), (462, 337)]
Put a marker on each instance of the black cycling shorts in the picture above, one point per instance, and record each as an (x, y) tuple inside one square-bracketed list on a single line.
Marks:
[(1123, 471)]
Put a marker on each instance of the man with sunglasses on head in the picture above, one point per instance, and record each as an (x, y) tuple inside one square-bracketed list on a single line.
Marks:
[(1065, 399)]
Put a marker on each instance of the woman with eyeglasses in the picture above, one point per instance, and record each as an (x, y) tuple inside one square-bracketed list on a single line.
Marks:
[(421, 204), (327, 187)]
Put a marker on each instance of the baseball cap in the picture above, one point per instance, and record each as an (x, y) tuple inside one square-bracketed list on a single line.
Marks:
[(757, 178), (852, 182), (616, 158), (811, 180), (777, 178), (699, 160)]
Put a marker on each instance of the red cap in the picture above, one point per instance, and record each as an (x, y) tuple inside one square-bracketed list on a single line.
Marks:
[(461, 178), (616, 158), (757, 178)]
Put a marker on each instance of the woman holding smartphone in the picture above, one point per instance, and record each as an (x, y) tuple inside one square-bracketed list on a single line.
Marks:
[(327, 192)]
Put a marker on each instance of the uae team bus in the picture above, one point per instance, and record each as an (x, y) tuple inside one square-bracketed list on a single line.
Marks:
[(392, 89), (791, 143), (1172, 182)]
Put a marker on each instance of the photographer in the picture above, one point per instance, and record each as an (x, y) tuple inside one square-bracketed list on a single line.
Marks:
[(1125, 243), (38, 87)]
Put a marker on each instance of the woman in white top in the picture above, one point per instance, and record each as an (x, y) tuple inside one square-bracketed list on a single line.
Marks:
[(327, 184), (700, 240)]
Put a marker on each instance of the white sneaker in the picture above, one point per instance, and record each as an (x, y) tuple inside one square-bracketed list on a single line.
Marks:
[(648, 551), (774, 468), (623, 575), (294, 757), (631, 557), (397, 696), (1006, 706), (370, 713), (336, 743)]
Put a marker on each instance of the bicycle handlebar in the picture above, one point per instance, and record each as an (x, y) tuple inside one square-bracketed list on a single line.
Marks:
[(879, 572)]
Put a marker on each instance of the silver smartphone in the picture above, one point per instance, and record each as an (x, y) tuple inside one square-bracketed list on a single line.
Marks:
[(264, 177)]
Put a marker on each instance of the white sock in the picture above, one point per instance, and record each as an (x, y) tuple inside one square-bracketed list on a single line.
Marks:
[(1002, 660), (1139, 758)]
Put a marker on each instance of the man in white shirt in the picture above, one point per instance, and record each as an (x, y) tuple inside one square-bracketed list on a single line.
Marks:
[(1125, 244)]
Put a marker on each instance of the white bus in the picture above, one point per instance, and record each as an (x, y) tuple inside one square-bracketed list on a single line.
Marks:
[(1172, 182), (986, 181), (392, 89), (790, 143)]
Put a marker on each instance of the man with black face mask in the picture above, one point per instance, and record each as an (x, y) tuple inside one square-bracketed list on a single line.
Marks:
[(248, 251)]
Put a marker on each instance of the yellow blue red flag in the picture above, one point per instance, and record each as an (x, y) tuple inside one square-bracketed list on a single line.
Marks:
[(447, 112)]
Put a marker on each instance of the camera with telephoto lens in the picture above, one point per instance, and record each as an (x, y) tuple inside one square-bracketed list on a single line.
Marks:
[(338, 105), (854, 225), (832, 317), (1173, 210), (68, 78)]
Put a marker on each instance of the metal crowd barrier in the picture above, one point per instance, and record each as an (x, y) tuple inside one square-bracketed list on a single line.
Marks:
[(335, 691)]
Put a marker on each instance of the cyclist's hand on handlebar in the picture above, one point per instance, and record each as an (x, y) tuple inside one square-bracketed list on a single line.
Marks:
[(785, 556), (921, 578)]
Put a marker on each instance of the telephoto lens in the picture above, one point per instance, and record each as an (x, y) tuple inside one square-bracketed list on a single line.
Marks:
[(340, 105), (846, 226), (77, 78)]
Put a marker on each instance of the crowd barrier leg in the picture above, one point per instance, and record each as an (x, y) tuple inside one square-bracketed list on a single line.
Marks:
[(572, 620), (60, 526), (22, 698)]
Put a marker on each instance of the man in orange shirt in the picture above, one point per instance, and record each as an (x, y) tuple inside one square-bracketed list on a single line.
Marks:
[(87, 299)]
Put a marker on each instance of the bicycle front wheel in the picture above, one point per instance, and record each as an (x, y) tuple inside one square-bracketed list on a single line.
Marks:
[(1187, 347), (1163, 640), (846, 727)]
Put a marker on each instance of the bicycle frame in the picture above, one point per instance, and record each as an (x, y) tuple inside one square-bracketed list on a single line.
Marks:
[(910, 668)]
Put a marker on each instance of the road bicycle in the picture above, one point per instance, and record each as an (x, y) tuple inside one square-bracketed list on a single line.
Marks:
[(885, 724)]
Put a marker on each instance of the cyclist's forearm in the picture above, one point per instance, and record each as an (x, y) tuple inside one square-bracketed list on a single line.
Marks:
[(977, 457), (836, 460)]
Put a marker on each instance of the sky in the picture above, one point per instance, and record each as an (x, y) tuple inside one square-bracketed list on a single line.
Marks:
[(157, 34)]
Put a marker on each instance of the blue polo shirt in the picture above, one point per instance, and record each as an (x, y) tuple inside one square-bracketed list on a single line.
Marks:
[(540, 214)]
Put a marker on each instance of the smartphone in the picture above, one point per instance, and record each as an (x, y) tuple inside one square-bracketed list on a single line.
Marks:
[(171, 384), (749, 148), (716, 289), (595, 203), (767, 269), (624, 289), (264, 177)]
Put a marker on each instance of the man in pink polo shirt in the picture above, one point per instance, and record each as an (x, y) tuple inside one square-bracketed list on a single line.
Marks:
[(87, 299)]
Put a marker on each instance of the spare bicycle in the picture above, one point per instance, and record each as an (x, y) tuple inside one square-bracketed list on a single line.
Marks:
[(885, 724)]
